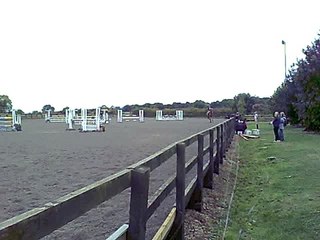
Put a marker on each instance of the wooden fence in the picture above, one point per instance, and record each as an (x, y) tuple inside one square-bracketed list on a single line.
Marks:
[(40, 222)]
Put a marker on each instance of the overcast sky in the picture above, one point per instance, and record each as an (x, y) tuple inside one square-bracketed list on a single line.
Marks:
[(90, 53)]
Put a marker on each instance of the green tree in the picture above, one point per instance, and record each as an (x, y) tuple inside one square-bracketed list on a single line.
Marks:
[(312, 90), (158, 106), (243, 103), (104, 107), (240, 103), (47, 107), (5, 104), (299, 94), (200, 104), (20, 112), (64, 109), (147, 105), (127, 108), (261, 105), (225, 103)]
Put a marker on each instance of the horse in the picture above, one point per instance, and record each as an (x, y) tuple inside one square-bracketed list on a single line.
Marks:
[(210, 114)]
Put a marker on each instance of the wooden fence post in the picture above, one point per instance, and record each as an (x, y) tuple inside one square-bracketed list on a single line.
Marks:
[(228, 134), (177, 230), (232, 132), (226, 140), (208, 179), (218, 149), (196, 198), (222, 144), (138, 203)]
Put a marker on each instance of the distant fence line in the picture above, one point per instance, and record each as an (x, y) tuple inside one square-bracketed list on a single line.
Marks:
[(42, 221), (33, 116), (261, 118)]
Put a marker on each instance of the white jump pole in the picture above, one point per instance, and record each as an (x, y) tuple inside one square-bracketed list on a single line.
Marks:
[(17, 119), (70, 114), (48, 115), (141, 116), (159, 115), (97, 119), (13, 114), (179, 115), (104, 118), (106, 115), (84, 119), (67, 113), (119, 116)]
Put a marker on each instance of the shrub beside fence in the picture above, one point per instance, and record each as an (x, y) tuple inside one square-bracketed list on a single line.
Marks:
[(40, 222)]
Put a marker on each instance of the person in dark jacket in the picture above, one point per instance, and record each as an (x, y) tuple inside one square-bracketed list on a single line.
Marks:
[(276, 124), (283, 123)]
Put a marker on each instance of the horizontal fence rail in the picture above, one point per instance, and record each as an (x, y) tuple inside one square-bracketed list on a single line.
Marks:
[(40, 222)]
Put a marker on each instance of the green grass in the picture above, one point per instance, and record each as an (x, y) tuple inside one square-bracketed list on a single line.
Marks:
[(280, 198)]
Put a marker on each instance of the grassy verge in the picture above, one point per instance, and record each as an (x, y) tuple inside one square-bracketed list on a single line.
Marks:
[(278, 189)]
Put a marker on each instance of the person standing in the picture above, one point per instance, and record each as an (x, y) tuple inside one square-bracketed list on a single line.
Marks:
[(275, 124), (255, 116), (282, 124)]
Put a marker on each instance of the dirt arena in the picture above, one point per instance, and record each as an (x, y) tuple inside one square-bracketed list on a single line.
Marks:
[(45, 162)]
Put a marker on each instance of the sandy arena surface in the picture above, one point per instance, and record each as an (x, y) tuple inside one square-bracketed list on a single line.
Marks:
[(45, 162)]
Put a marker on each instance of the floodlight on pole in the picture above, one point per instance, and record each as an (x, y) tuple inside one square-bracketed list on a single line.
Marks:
[(285, 58)]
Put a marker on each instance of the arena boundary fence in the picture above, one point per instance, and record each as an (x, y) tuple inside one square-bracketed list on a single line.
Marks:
[(41, 221)]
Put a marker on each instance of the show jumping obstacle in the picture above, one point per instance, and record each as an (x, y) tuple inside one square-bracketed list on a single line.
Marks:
[(55, 118), (127, 117), (89, 123), (177, 117), (10, 122), (75, 119)]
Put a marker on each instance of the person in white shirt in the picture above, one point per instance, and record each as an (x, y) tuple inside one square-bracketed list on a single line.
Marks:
[(256, 119)]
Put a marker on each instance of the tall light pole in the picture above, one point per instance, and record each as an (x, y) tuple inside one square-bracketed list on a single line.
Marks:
[(285, 59)]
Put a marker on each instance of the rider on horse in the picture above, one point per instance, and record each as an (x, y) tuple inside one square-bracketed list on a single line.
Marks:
[(210, 113)]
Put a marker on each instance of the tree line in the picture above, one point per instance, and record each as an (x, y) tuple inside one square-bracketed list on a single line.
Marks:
[(243, 103), (299, 94)]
